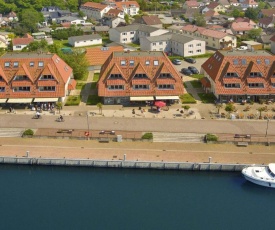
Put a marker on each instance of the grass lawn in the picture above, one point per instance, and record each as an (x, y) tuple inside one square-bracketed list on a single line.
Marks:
[(96, 77), (207, 97), (197, 76), (62, 43), (80, 85), (93, 100), (134, 45), (73, 100), (85, 77), (196, 84), (187, 99)]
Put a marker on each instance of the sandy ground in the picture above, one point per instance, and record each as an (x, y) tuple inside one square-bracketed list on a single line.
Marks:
[(137, 151)]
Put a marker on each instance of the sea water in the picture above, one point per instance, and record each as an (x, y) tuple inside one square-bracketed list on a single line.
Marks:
[(41, 197)]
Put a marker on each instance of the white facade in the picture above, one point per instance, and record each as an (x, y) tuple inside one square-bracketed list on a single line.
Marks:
[(18, 47), (94, 12), (84, 42)]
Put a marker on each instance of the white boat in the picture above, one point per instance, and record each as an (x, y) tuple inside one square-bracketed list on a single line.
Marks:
[(261, 175)]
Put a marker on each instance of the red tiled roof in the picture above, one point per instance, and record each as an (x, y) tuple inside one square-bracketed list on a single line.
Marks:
[(266, 20), (113, 12), (204, 31), (113, 66), (94, 5), (212, 5), (210, 13), (52, 65), (223, 62), (22, 41), (97, 55), (268, 12), (242, 26), (193, 3), (122, 5), (151, 20), (72, 84)]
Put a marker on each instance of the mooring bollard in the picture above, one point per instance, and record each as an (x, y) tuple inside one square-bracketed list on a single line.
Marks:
[(124, 158), (27, 153), (209, 159)]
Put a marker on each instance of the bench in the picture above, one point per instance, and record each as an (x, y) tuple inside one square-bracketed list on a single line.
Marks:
[(242, 136), (107, 132), (65, 131), (242, 144), (103, 140)]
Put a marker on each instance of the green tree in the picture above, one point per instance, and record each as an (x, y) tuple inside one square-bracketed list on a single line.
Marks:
[(37, 45), (236, 13), (78, 62), (251, 13), (261, 109), (254, 33), (59, 106), (127, 18), (99, 106), (199, 20), (29, 19), (229, 107)]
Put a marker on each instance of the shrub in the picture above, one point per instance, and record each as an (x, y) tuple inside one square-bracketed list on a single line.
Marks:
[(186, 107), (73, 100), (229, 107), (28, 132), (211, 137), (147, 136), (93, 100), (207, 97), (187, 99)]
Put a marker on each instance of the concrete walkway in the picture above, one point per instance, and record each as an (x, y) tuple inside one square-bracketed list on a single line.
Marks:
[(87, 89)]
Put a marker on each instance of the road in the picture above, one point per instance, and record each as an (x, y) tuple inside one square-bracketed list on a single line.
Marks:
[(144, 125)]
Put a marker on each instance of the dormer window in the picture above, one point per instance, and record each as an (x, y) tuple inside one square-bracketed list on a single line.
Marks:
[(131, 63), (46, 77), (115, 76), (20, 78), (231, 75), (31, 64), (255, 74), (156, 62), (235, 62), (165, 75), (7, 64), (41, 64), (243, 61), (147, 62), (123, 63), (16, 64), (258, 61), (266, 61)]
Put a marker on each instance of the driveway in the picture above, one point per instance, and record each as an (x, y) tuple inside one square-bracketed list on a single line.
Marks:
[(184, 64)]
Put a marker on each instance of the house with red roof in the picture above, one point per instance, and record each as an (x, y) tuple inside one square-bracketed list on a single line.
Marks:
[(240, 75), (245, 4), (94, 10), (215, 6), (129, 7), (33, 77), (243, 27), (191, 4), (213, 38), (127, 77), (267, 22), (20, 43)]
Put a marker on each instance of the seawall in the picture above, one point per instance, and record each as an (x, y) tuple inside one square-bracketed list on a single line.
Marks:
[(123, 164)]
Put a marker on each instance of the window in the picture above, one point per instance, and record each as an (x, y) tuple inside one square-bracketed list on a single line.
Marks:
[(235, 62), (243, 61), (147, 62), (233, 85), (156, 62), (165, 86), (256, 85), (116, 87), (124, 33), (18, 47), (132, 32), (165, 75), (31, 64), (115, 76), (199, 44), (160, 43), (131, 63), (2, 89), (198, 51), (46, 77), (190, 52), (123, 63), (140, 87), (16, 64), (7, 64), (47, 88), (41, 64), (190, 45), (140, 76), (154, 44), (258, 61), (231, 74), (266, 61), (22, 89), (124, 39), (255, 74), (20, 78), (273, 85)]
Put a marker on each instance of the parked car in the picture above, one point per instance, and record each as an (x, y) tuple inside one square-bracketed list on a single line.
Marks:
[(176, 62), (186, 71), (190, 60), (193, 69), (242, 48)]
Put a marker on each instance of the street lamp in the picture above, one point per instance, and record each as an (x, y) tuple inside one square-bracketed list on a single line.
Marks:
[(88, 133), (266, 127)]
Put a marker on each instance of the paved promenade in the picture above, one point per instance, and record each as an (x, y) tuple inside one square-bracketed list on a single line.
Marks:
[(136, 151)]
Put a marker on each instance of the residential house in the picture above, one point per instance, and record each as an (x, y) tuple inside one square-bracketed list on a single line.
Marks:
[(94, 10), (85, 40), (113, 22), (252, 45), (224, 3), (234, 3), (215, 6), (129, 7), (51, 13), (271, 3), (266, 13), (12, 16), (241, 75), (96, 56), (265, 40), (20, 43), (152, 20), (214, 39), (33, 77), (4, 39), (132, 33), (177, 44), (208, 15), (267, 22), (127, 77), (191, 4), (245, 4), (241, 28), (101, 29), (70, 20), (112, 13)]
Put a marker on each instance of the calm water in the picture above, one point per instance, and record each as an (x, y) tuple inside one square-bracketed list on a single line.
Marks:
[(92, 198)]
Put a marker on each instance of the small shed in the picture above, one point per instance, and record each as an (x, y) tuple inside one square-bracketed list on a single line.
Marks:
[(252, 45)]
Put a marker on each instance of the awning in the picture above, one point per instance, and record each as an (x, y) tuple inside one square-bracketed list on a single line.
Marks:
[(167, 98), (20, 100), (46, 99), (149, 98), (3, 100)]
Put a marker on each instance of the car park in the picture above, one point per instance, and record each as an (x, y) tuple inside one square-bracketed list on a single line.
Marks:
[(190, 60), (193, 69), (186, 71), (176, 62)]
